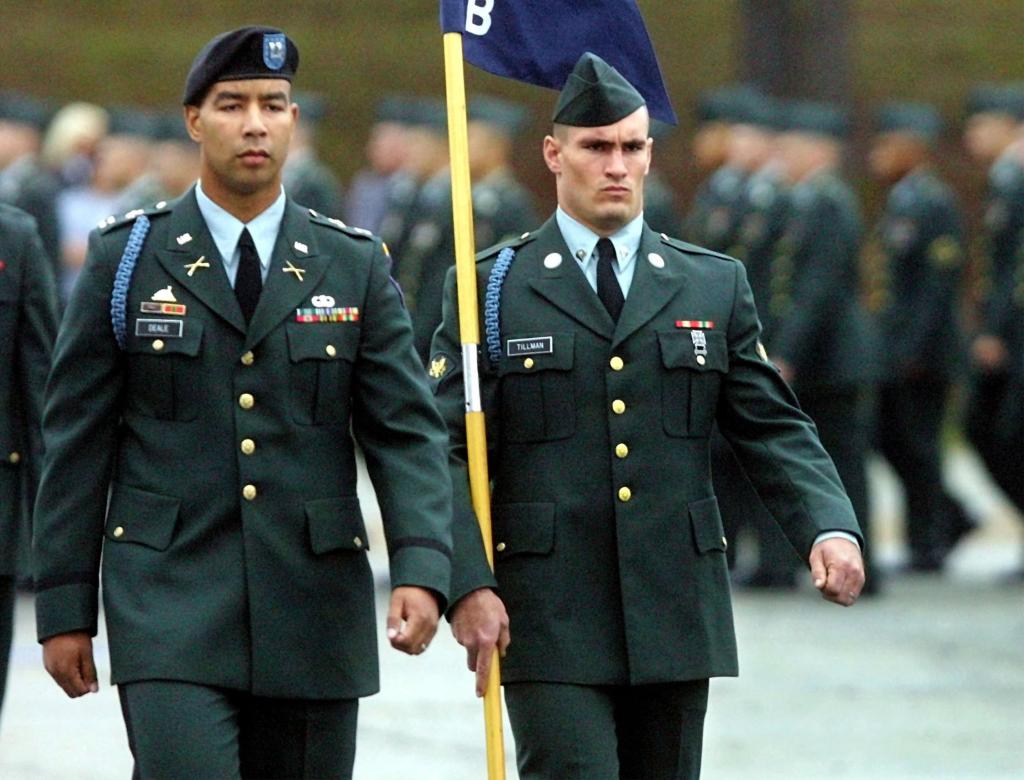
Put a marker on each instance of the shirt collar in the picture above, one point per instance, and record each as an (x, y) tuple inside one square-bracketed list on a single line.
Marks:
[(582, 241), (225, 228)]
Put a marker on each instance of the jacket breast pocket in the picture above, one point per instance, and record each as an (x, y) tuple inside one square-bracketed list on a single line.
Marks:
[(320, 369), (537, 402), (691, 380), (165, 379)]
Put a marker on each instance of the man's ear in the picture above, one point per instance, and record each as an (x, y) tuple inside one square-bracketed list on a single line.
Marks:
[(191, 114), (553, 154)]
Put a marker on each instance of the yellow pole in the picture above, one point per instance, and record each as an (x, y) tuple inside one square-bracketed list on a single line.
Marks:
[(469, 331)]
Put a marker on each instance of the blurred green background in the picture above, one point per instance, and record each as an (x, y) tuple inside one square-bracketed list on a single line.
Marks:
[(118, 52)]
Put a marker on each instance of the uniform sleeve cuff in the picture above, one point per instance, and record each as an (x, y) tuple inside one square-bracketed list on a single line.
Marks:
[(423, 567), (837, 535), (66, 608)]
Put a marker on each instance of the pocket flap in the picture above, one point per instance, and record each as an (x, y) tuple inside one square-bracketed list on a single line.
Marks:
[(530, 354), (322, 341), (183, 337), (335, 524), (523, 529), (706, 520), (679, 351), (141, 517)]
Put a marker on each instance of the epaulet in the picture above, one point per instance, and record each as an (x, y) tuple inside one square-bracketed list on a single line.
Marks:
[(113, 221), (691, 248), (510, 243), (320, 219)]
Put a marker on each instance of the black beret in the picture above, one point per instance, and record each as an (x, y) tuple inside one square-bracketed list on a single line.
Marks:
[(245, 53), (806, 116), (595, 94), (997, 99), (914, 118)]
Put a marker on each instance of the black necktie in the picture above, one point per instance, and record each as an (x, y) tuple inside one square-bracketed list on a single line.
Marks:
[(249, 280), (608, 289)]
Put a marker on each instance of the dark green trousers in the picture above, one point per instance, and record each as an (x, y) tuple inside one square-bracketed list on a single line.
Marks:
[(7, 592), (179, 731), (582, 732)]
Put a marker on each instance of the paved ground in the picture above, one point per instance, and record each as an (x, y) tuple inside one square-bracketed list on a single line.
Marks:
[(925, 682)]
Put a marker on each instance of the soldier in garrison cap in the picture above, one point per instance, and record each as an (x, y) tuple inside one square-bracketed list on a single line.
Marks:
[(816, 330), (915, 259), (609, 351), (994, 137), (28, 324), (661, 209), (217, 358), (370, 191)]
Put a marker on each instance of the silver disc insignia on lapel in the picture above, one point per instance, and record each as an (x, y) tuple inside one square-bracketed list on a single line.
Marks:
[(656, 260), (553, 260)]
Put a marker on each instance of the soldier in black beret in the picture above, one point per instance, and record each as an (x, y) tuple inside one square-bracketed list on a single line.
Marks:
[(609, 350), (217, 358), (915, 257)]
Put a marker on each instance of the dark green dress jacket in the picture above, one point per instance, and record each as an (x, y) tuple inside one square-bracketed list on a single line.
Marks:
[(28, 325), (233, 548), (609, 547)]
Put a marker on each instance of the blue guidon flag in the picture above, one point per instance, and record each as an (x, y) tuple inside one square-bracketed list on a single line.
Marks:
[(539, 41)]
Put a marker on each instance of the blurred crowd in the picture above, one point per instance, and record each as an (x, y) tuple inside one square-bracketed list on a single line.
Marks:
[(874, 325)]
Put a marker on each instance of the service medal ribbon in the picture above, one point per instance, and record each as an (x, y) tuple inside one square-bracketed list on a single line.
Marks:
[(332, 314)]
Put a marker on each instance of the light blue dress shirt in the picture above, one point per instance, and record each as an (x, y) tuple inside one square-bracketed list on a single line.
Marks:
[(582, 243), (226, 229)]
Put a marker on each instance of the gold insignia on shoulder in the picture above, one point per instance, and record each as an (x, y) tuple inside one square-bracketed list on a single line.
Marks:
[(438, 367), (762, 352), (944, 252)]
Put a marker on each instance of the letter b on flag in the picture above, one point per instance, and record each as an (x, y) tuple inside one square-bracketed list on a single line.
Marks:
[(478, 16)]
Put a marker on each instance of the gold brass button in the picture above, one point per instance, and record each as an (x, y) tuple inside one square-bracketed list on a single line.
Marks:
[(500, 547), (528, 363), (14, 458), (625, 494), (616, 363), (246, 401), (618, 406), (248, 358), (249, 492), (701, 360), (358, 543), (330, 350), (158, 345), (621, 450), (248, 446), (118, 532)]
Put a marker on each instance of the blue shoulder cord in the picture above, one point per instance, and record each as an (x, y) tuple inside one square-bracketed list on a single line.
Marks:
[(123, 278), (492, 303)]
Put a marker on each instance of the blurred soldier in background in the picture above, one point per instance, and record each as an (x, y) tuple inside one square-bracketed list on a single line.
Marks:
[(175, 163), (24, 181), (502, 206), (28, 324), (711, 221), (759, 217), (131, 147), (370, 189), (661, 210), (915, 257), (819, 335), (994, 136), (306, 178)]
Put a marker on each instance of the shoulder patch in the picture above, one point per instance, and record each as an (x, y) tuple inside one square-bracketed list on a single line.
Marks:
[(683, 246), (319, 219), (512, 243), (115, 221)]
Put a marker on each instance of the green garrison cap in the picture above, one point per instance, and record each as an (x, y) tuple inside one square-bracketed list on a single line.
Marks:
[(245, 53), (807, 116), (22, 109), (917, 119), (741, 104), (997, 99), (595, 94), (507, 118)]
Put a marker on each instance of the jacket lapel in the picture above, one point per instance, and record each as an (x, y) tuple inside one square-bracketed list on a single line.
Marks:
[(190, 256), (652, 287), (295, 271), (565, 286)]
